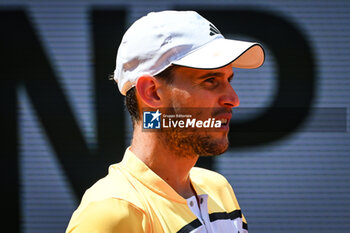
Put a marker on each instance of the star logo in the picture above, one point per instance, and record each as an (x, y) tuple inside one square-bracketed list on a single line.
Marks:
[(151, 120), (156, 115)]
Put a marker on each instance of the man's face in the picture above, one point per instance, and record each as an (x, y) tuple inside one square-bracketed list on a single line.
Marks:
[(206, 94)]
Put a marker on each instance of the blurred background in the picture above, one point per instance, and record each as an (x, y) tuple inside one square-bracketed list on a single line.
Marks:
[(63, 122)]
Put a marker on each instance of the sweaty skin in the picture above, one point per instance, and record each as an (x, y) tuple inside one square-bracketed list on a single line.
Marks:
[(172, 156)]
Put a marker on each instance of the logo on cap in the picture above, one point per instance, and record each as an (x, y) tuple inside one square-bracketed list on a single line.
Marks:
[(151, 120), (213, 30)]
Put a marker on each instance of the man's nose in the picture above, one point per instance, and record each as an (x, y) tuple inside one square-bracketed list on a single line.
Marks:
[(229, 97)]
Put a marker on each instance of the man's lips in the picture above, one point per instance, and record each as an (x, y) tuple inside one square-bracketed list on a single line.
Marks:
[(224, 118), (224, 115)]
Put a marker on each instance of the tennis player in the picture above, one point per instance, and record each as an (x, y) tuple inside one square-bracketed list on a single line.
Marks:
[(173, 60)]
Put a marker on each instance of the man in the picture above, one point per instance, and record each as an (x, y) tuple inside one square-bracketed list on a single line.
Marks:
[(171, 60)]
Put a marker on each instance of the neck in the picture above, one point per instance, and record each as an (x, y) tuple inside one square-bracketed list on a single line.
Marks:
[(172, 167)]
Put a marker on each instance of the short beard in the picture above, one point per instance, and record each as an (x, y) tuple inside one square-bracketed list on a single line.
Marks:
[(186, 142), (192, 144)]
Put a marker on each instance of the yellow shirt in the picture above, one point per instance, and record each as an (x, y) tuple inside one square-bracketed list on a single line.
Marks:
[(132, 198)]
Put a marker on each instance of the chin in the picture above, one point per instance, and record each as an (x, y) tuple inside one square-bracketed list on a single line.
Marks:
[(213, 147), (195, 143)]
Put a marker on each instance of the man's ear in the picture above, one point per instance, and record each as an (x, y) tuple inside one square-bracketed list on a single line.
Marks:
[(147, 87)]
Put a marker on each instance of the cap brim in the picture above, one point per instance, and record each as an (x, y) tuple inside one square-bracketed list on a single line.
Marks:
[(222, 52)]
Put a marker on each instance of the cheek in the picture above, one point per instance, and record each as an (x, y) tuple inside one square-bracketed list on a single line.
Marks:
[(181, 98)]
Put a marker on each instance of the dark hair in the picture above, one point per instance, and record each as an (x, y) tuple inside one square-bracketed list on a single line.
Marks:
[(131, 101)]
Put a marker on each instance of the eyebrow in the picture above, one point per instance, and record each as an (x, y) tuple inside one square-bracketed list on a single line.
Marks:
[(216, 74)]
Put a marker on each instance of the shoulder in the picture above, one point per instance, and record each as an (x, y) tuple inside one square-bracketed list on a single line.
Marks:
[(108, 215), (110, 202), (110, 205), (114, 185)]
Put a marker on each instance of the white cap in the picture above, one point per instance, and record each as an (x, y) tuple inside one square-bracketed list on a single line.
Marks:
[(184, 38)]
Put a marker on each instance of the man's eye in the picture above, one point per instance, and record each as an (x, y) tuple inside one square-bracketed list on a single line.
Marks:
[(210, 80)]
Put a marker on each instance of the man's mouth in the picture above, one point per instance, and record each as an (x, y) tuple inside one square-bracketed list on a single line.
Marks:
[(224, 121), (224, 115)]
